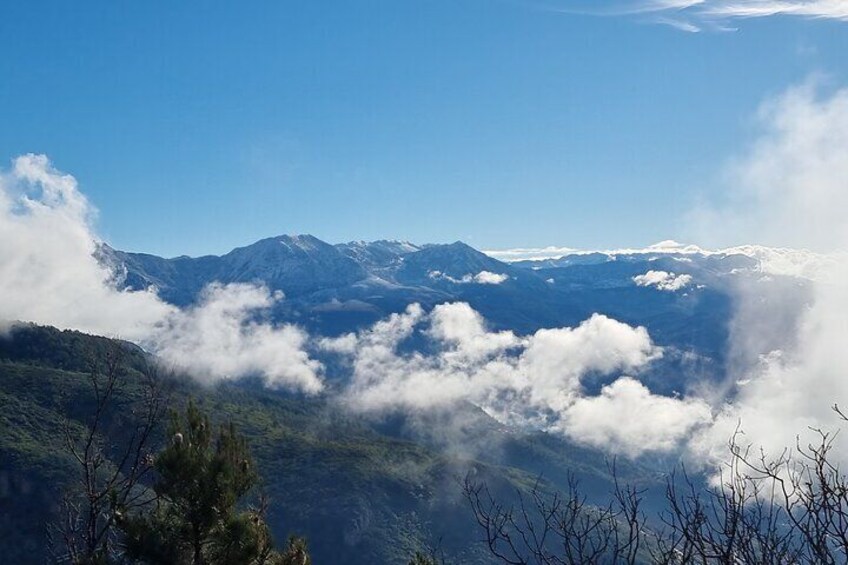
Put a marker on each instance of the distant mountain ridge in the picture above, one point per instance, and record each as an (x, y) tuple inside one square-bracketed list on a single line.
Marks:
[(295, 264), (682, 294), (380, 277), (769, 260)]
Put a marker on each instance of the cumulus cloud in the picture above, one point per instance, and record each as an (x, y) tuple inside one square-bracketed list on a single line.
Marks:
[(533, 380), (47, 272), (626, 418), (220, 337), (483, 277), (49, 275), (464, 331), (663, 280), (487, 277)]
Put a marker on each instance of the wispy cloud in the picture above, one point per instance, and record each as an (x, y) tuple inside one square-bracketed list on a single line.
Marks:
[(681, 25), (830, 9), (693, 16)]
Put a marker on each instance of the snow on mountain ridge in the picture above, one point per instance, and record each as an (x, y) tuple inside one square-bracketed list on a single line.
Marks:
[(801, 263)]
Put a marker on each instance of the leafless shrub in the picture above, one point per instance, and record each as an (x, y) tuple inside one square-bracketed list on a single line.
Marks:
[(112, 460), (791, 509), (560, 528)]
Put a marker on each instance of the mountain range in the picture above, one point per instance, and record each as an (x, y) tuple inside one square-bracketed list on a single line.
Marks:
[(682, 294)]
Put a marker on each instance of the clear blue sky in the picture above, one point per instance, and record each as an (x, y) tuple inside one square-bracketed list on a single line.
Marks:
[(195, 127)]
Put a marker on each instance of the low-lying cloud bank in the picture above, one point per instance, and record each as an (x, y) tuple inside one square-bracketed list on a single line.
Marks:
[(223, 336), (790, 190), (530, 381), (770, 260)]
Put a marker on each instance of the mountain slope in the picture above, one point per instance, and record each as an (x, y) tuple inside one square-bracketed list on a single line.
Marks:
[(363, 492)]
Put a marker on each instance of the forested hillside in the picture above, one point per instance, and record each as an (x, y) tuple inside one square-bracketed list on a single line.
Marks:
[(361, 491)]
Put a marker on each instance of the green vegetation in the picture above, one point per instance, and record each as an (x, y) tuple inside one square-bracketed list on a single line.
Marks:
[(195, 519), (361, 492), (368, 498)]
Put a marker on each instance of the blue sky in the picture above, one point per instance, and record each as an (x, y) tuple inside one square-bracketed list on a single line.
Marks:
[(196, 127)]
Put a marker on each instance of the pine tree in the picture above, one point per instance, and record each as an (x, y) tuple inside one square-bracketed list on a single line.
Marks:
[(196, 519)]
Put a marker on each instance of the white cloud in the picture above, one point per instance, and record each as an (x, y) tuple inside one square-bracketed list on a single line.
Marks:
[(554, 360), (693, 15), (532, 380), (681, 25), (663, 280), (219, 338), (487, 277), (48, 275), (47, 272), (627, 418), (464, 331), (826, 9), (483, 277), (801, 263), (789, 189), (794, 186)]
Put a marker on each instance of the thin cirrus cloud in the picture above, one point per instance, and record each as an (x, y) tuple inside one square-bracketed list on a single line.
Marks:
[(714, 15)]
